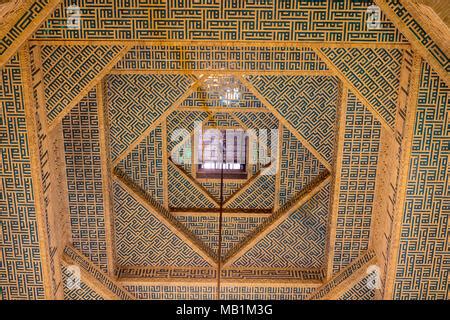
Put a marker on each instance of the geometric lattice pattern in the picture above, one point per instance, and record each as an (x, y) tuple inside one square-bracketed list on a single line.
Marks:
[(20, 257), (227, 292), (308, 103), (265, 293), (298, 242), (182, 58), (298, 167), (374, 72), (423, 266), (206, 228), (85, 180), (221, 120), (361, 290), (69, 69), (135, 101), (166, 20), (143, 240), (357, 183), (204, 97), (257, 120), (183, 193), (258, 195), (229, 188), (172, 292), (144, 165)]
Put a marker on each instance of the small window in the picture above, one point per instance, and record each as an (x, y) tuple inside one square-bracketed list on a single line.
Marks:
[(232, 155)]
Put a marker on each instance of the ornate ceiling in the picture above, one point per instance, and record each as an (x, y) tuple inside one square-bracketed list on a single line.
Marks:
[(96, 178)]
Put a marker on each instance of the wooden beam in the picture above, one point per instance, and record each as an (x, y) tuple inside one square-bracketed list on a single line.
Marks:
[(226, 43), (402, 178), (284, 122), (223, 109), (38, 178), (166, 218), (225, 71), (21, 25), (100, 282), (345, 279), (336, 174), (424, 29), (277, 218), (155, 123), (94, 82), (165, 164), (354, 90), (236, 213), (276, 202), (105, 157)]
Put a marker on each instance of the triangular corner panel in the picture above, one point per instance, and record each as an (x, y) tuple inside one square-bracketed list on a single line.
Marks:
[(308, 103), (375, 73), (70, 70), (298, 242), (136, 101), (143, 240)]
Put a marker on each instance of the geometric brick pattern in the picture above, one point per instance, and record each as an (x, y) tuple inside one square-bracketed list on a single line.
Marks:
[(85, 180), (183, 193), (423, 266), (135, 101), (255, 292), (297, 169), (299, 242), (374, 72), (227, 292), (206, 228), (20, 257), (360, 149), (204, 97), (143, 240), (69, 69), (198, 58), (259, 194), (229, 188), (360, 291), (172, 292), (226, 20), (144, 165), (308, 103)]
